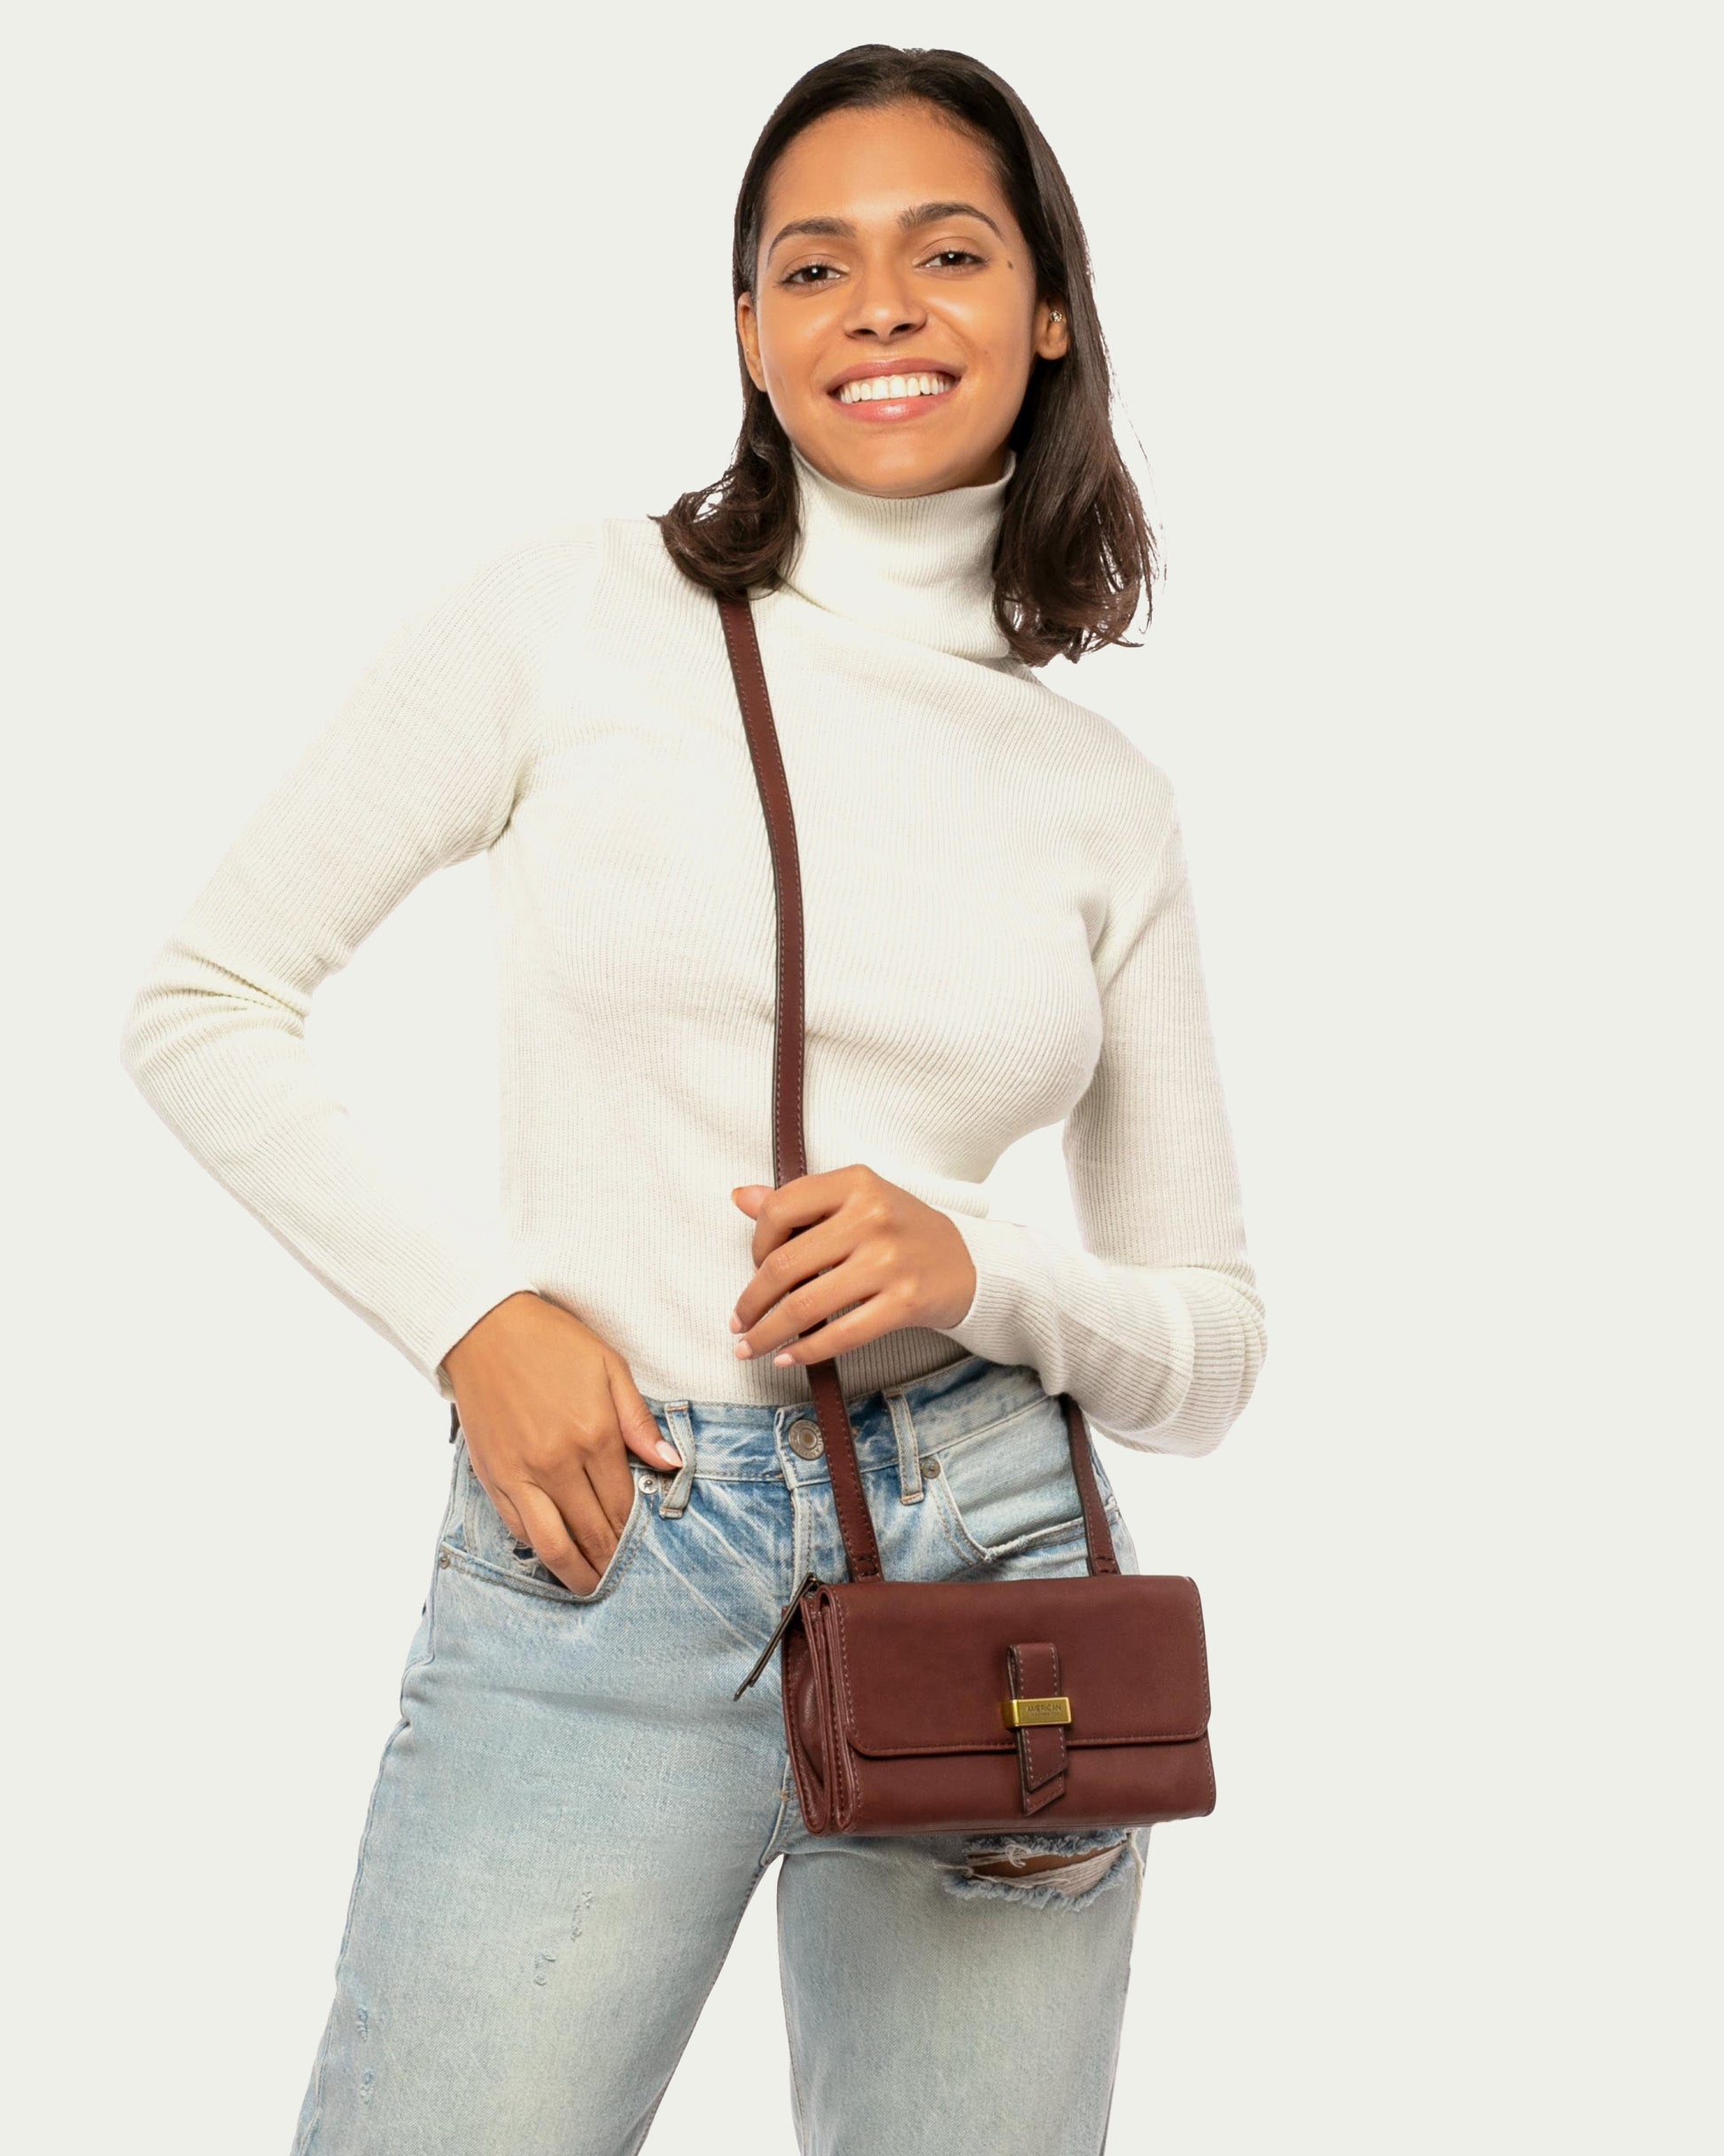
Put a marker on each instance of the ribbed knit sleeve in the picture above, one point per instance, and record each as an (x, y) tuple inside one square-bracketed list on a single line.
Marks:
[(419, 768), (1155, 1326)]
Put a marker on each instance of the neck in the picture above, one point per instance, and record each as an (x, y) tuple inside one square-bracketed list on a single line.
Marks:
[(916, 566)]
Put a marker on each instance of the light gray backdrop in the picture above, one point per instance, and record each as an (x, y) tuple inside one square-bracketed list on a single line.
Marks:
[(1413, 311)]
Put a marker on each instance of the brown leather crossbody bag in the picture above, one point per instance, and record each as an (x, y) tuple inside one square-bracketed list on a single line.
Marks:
[(916, 1708)]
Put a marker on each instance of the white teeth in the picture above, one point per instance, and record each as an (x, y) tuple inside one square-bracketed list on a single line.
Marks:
[(877, 385)]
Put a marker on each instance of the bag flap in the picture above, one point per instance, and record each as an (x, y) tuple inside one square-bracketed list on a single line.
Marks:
[(920, 1667)]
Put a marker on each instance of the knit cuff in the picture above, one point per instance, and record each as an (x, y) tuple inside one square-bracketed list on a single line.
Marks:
[(993, 1325)]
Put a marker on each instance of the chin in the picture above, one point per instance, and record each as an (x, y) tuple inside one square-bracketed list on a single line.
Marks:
[(899, 464)]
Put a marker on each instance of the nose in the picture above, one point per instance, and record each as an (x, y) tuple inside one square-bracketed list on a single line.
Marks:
[(881, 305)]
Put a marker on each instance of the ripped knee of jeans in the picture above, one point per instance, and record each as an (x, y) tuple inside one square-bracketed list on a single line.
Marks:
[(1044, 1870)]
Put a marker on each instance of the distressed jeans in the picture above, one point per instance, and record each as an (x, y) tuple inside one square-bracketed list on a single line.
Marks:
[(572, 1812)]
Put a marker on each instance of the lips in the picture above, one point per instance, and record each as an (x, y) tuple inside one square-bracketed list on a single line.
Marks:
[(896, 390), (906, 362)]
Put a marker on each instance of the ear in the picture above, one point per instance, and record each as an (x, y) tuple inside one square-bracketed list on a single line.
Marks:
[(1052, 339), (748, 329)]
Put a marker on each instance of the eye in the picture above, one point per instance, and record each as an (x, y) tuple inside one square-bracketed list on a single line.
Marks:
[(797, 274), (962, 254)]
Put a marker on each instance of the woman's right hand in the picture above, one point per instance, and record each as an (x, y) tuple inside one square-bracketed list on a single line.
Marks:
[(550, 1412)]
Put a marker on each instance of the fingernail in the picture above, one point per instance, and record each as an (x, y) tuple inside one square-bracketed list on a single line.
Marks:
[(744, 1350), (669, 1454), (735, 1322), (786, 1357)]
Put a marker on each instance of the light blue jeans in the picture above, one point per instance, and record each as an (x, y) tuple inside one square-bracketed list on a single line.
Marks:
[(572, 1812)]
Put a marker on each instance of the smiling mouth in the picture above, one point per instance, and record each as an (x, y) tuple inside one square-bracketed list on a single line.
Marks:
[(892, 388)]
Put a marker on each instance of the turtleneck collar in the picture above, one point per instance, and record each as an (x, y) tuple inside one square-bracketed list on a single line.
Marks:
[(918, 566)]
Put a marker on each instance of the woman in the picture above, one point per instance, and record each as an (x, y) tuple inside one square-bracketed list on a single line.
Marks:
[(574, 1808)]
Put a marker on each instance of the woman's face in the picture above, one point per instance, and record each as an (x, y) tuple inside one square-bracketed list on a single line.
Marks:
[(914, 265)]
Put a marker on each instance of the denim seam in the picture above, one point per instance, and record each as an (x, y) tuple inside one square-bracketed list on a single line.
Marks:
[(1038, 1538), (970, 1437), (815, 1475), (718, 1475), (785, 1789), (302, 2147), (645, 2124), (798, 2103), (634, 1533), (964, 1545)]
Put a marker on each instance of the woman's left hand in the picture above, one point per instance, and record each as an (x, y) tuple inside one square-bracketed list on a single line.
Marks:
[(866, 1247)]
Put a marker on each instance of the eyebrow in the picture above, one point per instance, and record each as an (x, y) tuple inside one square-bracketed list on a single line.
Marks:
[(918, 214)]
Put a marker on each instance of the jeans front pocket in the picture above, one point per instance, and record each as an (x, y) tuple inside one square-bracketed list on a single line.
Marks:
[(479, 1542), (1010, 1488)]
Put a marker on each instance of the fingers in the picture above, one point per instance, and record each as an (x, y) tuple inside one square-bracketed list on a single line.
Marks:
[(582, 1509), (637, 1423), (504, 1506), (539, 1397), (856, 1300), (575, 1535), (871, 1259), (557, 1549), (798, 1204), (855, 1324), (800, 1259)]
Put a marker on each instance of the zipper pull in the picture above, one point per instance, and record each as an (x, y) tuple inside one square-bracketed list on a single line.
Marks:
[(808, 1580)]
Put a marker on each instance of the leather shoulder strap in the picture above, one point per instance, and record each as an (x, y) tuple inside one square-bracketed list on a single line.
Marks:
[(789, 1159)]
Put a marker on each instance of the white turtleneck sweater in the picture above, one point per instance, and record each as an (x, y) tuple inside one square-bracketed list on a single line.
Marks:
[(999, 936)]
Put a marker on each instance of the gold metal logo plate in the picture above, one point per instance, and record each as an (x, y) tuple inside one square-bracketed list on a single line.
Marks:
[(1032, 1712)]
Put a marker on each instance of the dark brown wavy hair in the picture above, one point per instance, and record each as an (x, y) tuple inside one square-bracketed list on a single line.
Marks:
[(1076, 555)]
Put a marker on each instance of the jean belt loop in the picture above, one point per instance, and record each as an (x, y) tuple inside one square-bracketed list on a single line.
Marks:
[(910, 1457), (682, 1436)]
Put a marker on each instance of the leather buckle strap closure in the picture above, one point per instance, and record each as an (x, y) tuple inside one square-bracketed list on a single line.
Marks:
[(1033, 1668)]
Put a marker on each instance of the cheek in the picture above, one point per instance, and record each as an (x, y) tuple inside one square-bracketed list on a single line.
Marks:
[(998, 336), (790, 349), (1000, 377)]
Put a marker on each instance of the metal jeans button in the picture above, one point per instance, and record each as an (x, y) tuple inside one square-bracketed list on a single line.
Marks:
[(931, 1465), (805, 1440)]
